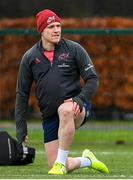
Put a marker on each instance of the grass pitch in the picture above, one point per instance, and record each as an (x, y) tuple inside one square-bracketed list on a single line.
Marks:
[(111, 142)]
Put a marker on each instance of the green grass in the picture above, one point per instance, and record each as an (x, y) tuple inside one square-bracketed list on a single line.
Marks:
[(113, 145)]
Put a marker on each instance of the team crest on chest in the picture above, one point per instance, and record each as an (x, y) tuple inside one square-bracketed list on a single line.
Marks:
[(64, 57)]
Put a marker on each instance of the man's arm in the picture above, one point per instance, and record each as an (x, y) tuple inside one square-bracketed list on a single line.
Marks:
[(24, 82), (88, 73)]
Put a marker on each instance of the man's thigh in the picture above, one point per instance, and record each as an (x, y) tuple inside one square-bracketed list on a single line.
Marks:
[(84, 115), (50, 128)]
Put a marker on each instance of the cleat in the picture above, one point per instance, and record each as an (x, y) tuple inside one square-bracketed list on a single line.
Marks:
[(95, 163), (57, 169)]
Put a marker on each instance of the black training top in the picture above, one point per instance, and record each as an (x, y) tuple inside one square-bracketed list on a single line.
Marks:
[(53, 82)]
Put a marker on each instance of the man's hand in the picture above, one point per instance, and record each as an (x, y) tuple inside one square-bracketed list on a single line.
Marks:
[(75, 107), (26, 140)]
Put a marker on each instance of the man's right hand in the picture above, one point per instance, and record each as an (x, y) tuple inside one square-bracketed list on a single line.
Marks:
[(76, 107), (26, 140)]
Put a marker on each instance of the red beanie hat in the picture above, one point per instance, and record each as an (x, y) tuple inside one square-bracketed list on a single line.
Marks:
[(44, 18)]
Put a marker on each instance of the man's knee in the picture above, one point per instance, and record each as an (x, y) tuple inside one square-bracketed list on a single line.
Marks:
[(65, 110)]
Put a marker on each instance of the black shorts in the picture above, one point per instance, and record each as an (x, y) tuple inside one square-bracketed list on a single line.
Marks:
[(51, 124)]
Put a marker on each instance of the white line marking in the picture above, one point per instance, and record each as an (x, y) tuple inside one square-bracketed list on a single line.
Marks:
[(103, 153)]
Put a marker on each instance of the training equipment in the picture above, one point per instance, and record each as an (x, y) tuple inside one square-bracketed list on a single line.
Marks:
[(95, 163), (14, 153), (57, 169)]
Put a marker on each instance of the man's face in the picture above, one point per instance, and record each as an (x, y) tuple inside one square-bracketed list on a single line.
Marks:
[(52, 33)]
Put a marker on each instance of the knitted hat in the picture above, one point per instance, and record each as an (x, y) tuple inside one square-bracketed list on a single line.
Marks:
[(44, 18)]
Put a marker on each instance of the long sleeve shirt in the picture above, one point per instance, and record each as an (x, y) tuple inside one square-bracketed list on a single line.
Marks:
[(54, 82)]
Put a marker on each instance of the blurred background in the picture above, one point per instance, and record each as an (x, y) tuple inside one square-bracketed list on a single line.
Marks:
[(67, 8), (104, 28)]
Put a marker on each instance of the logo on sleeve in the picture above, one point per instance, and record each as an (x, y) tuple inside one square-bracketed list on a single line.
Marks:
[(88, 67)]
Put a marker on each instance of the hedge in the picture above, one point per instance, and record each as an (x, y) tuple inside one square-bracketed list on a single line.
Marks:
[(111, 55)]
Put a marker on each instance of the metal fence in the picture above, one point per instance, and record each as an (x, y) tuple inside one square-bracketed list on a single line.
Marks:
[(97, 32)]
